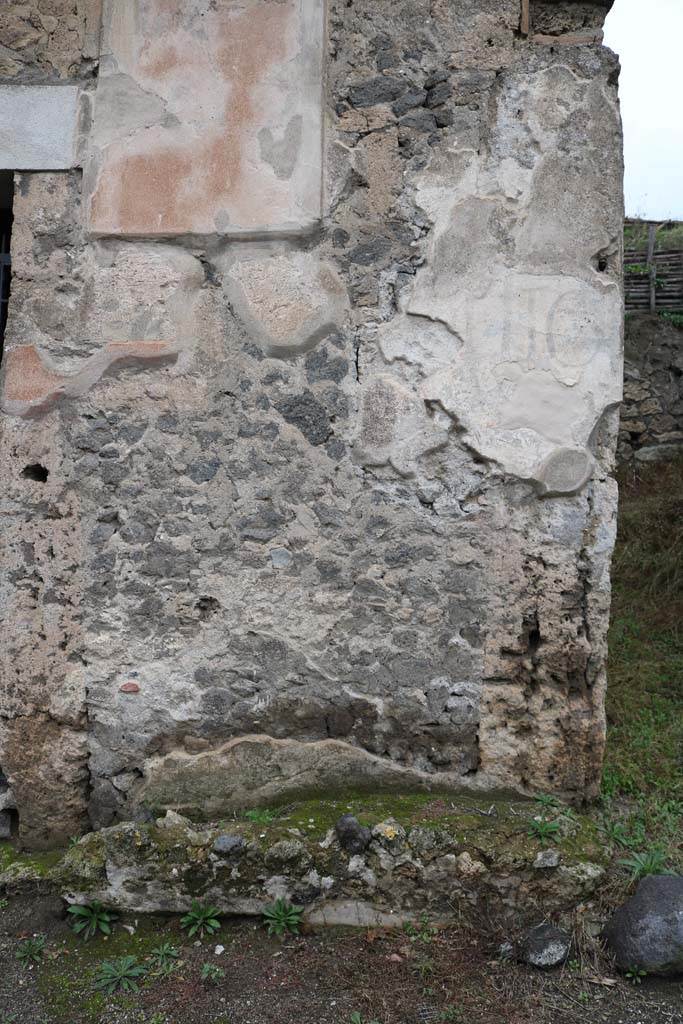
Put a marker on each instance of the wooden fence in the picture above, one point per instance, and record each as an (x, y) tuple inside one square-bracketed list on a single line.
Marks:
[(653, 280), (654, 286)]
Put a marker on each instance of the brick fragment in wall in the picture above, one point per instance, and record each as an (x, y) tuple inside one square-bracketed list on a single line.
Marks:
[(330, 480)]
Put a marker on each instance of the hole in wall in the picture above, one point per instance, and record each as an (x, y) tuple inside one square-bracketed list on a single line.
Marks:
[(601, 261), (12, 817), (207, 606), (36, 472), (6, 199), (534, 640), (9, 816)]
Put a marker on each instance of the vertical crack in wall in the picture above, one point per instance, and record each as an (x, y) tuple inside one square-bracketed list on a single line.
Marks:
[(6, 217)]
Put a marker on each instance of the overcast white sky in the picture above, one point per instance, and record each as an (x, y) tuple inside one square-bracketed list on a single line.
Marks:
[(648, 37)]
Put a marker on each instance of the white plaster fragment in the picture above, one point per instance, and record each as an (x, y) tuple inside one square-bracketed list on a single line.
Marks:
[(38, 127)]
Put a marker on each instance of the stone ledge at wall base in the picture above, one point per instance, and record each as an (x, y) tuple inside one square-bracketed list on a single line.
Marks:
[(449, 859)]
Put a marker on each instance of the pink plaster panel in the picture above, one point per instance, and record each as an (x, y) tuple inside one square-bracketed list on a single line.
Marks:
[(208, 118)]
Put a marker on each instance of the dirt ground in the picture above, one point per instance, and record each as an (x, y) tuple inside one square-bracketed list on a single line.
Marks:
[(315, 978)]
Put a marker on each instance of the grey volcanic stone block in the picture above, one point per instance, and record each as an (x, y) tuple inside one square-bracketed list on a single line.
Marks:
[(376, 90), (353, 837), (545, 946), (38, 127), (228, 845), (647, 931)]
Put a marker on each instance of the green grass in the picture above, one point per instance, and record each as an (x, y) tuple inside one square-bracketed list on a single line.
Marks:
[(668, 237), (643, 776), (673, 318)]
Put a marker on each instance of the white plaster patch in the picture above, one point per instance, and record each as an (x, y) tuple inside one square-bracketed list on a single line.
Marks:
[(418, 342), (395, 428), (536, 358), (38, 127), (534, 374)]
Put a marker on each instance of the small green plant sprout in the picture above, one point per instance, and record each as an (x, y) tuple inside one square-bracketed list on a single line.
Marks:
[(358, 1018), (568, 813), (31, 951), (424, 966), (675, 318), (635, 975), (541, 829), (282, 917), (616, 834), (422, 931), (547, 801), (636, 268), (261, 815), (452, 1013), (91, 918), (201, 918), (212, 974), (164, 958), (4, 904), (121, 975), (652, 862)]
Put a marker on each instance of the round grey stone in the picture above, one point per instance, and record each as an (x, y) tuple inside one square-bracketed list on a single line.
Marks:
[(353, 837), (647, 931)]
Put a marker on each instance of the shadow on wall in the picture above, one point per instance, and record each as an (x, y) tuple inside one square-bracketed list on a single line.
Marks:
[(6, 197)]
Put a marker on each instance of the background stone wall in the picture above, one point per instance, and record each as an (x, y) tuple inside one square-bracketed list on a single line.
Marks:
[(49, 40), (309, 485), (651, 425)]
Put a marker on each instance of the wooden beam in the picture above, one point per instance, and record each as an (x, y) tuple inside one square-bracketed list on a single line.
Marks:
[(525, 19), (651, 233)]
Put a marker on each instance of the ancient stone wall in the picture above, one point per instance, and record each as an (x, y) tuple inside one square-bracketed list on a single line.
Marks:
[(310, 397), (651, 424)]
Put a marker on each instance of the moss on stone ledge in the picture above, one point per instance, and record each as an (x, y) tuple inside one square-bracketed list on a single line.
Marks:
[(18, 867), (475, 844), (496, 826)]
